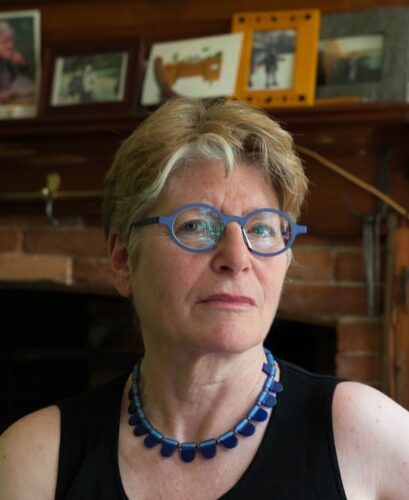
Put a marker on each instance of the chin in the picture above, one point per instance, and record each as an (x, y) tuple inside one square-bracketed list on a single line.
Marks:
[(230, 340)]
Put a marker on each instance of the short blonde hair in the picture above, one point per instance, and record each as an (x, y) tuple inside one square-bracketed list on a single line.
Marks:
[(186, 130)]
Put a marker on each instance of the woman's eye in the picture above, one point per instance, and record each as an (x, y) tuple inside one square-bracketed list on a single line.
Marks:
[(193, 226), (262, 230)]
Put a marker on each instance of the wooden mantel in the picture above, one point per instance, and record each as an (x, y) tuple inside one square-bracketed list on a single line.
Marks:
[(374, 114)]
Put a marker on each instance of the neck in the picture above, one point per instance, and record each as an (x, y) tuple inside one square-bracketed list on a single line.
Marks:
[(193, 397)]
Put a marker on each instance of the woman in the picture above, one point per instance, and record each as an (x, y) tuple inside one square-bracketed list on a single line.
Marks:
[(198, 214)]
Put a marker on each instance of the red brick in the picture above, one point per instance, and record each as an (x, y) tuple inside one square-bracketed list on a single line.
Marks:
[(365, 367), (349, 266), (92, 272), (22, 267), (27, 219), (312, 264), (84, 241), (10, 240), (363, 335), (323, 299)]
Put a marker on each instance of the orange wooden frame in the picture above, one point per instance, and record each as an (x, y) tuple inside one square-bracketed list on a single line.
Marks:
[(306, 24)]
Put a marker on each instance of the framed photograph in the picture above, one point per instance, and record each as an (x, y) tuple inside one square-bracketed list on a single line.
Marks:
[(279, 58), (199, 67), (20, 68), (365, 54), (93, 77)]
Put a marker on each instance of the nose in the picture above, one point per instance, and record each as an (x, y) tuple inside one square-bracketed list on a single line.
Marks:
[(231, 254)]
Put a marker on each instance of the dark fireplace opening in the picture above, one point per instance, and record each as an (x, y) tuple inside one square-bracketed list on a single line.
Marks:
[(309, 345), (56, 344)]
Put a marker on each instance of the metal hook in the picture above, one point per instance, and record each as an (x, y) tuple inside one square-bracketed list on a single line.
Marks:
[(50, 192)]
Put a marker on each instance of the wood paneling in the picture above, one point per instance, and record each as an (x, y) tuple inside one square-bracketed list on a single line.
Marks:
[(165, 19), (397, 313)]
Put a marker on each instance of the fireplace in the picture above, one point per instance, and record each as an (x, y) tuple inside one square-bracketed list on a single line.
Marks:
[(56, 344), (311, 346)]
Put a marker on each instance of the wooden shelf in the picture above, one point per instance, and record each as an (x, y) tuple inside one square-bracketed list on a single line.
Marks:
[(73, 125), (335, 115), (339, 115)]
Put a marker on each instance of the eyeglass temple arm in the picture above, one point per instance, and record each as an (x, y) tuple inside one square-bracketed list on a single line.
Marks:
[(145, 222), (301, 229)]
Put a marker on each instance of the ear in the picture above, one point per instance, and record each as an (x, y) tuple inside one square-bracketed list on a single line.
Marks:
[(118, 264)]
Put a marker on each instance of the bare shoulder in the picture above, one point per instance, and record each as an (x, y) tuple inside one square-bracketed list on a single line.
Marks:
[(371, 434), (29, 456)]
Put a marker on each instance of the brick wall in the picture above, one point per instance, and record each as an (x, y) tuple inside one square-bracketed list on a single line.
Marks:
[(325, 283), (64, 256)]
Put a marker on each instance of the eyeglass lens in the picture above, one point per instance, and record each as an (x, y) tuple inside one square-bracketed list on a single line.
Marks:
[(199, 228)]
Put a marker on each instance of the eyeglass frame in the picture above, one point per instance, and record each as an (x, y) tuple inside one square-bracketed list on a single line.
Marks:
[(168, 221)]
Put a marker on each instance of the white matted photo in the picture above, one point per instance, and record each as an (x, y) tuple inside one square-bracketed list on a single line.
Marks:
[(89, 79), (272, 60), (198, 67), (19, 63)]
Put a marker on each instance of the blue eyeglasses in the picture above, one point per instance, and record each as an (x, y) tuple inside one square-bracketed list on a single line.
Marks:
[(198, 227)]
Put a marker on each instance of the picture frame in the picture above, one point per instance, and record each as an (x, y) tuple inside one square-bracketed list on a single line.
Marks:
[(92, 78), (20, 68), (279, 57), (358, 55), (204, 67)]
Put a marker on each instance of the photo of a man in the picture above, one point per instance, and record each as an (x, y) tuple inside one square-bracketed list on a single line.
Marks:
[(89, 79)]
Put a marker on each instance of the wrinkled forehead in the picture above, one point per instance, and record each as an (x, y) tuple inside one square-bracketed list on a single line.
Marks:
[(242, 188)]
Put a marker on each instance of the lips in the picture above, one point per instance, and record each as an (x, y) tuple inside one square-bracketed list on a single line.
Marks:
[(226, 298)]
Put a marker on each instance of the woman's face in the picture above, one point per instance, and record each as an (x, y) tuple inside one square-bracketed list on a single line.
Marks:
[(221, 301)]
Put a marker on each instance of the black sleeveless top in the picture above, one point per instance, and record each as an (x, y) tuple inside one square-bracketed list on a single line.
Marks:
[(296, 459)]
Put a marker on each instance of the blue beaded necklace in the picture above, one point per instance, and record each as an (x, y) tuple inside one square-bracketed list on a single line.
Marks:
[(208, 447)]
